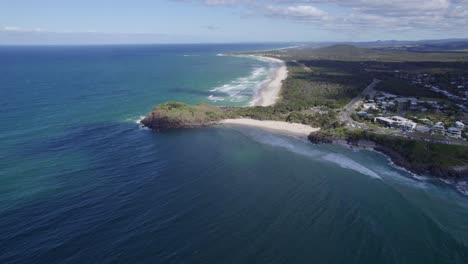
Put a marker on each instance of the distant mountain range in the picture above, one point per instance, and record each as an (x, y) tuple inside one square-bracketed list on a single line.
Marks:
[(439, 45)]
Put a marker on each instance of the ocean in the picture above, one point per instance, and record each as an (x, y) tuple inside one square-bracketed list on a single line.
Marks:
[(82, 182)]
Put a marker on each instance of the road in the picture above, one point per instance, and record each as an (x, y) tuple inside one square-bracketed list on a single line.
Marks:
[(345, 114), (307, 69)]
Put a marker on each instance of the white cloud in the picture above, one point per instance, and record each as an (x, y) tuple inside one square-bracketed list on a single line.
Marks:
[(400, 15), (9, 28), (19, 29), (302, 12)]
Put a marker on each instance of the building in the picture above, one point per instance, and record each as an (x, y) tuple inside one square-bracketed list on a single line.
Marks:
[(406, 100), (426, 121), (368, 106), (423, 129), (414, 106), (362, 114), (454, 132), (438, 128), (459, 125), (396, 122), (384, 121)]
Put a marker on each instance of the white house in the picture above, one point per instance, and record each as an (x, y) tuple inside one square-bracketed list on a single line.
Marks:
[(384, 121), (459, 125), (454, 132), (438, 128), (368, 106), (423, 129)]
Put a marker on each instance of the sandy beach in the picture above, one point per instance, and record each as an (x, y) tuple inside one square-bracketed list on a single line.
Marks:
[(269, 93), (267, 96), (294, 129)]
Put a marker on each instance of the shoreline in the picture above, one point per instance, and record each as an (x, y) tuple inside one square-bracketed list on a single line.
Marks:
[(291, 129), (269, 93)]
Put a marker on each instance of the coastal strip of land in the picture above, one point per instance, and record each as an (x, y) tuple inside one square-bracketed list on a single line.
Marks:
[(293, 129), (269, 93)]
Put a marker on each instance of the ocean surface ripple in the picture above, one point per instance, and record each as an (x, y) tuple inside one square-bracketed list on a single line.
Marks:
[(82, 182)]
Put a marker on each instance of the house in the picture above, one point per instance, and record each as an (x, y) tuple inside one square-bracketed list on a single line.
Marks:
[(407, 126), (368, 106), (384, 121), (423, 129), (405, 100), (414, 106), (362, 114), (426, 121), (459, 125), (438, 128), (454, 132)]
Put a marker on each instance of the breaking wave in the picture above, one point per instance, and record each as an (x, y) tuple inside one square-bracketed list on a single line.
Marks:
[(245, 89), (298, 147), (242, 89), (137, 120), (348, 163)]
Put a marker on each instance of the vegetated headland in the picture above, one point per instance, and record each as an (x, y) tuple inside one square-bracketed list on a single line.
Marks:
[(407, 103)]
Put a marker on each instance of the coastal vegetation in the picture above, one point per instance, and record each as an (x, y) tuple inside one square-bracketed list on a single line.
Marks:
[(448, 161), (176, 115)]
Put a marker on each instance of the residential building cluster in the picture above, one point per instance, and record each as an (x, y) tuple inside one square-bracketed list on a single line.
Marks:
[(383, 109)]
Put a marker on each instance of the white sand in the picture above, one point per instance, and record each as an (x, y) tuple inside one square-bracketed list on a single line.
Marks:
[(275, 126), (269, 93), (267, 96)]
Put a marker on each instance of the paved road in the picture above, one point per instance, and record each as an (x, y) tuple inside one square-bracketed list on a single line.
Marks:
[(345, 114), (368, 91)]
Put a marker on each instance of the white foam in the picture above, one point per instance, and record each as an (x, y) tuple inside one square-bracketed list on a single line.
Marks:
[(348, 163), (302, 148), (243, 88), (215, 98), (462, 187), (137, 120), (412, 174)]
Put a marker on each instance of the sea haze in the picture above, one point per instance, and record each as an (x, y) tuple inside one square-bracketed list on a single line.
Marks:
[(82, 182)]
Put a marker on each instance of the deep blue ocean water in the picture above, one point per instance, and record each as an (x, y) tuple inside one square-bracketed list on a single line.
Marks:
[(81, 182)]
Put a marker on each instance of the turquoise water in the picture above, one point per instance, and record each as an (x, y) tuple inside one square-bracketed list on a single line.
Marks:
[(81, 182)]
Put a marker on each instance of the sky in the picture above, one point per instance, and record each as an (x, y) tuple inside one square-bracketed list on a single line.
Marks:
[(205, 21)]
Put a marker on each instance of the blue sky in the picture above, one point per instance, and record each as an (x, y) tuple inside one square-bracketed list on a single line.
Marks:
[(188, 21)]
